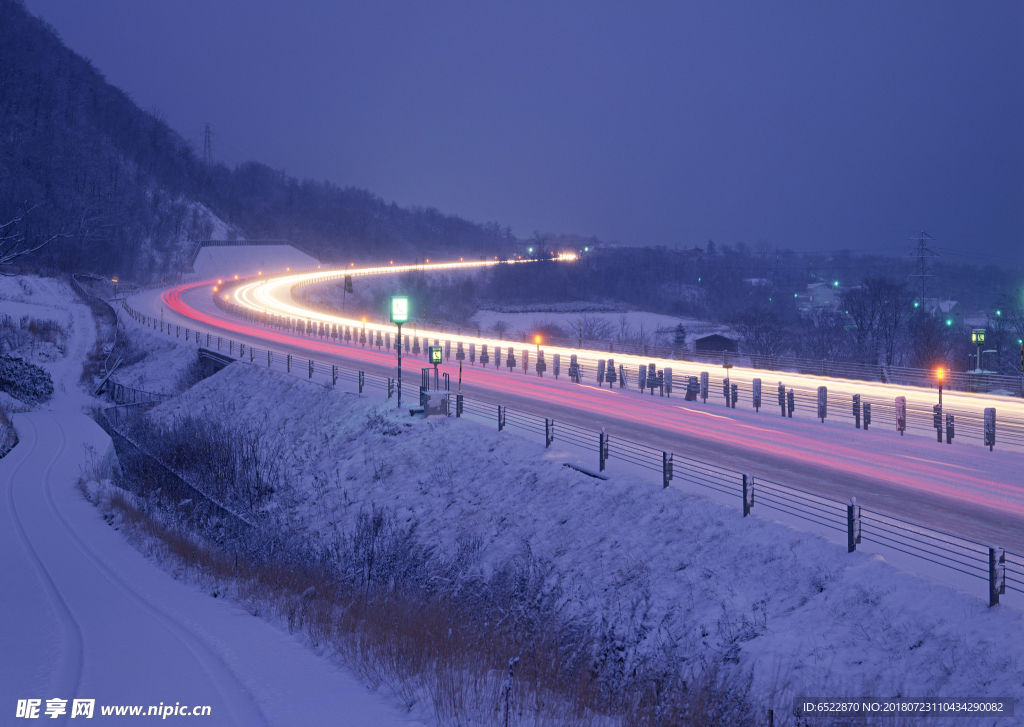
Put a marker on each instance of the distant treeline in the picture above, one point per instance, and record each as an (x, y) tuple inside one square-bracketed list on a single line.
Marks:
[(128, 195)]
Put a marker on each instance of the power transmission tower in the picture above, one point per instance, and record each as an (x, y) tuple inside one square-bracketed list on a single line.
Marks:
[(922, 270), (208, 146)]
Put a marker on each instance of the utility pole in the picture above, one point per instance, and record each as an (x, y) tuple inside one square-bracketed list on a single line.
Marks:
[(922, 270), (208, 146)]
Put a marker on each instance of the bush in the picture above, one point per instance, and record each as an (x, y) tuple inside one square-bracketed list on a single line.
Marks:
[(24, 381)]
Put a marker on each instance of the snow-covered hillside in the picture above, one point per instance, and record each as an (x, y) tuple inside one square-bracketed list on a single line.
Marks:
[(659, 572)]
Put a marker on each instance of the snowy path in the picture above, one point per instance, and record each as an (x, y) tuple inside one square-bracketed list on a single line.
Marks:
[(86, 616)]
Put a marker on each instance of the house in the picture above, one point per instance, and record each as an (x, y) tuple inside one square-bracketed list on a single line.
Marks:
[(758, 282), (824, 295), (950, 311), (714, 344)]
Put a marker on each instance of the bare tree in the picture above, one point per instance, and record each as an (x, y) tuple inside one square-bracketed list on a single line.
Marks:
[(763, 332), (863, 305), (895, 305), (14, 243), (826, 337)]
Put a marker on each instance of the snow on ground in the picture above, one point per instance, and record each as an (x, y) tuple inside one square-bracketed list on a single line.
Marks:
[(244, 260), (86, 616), (91, 618), (658, 568), (155, 363), (619, 324)]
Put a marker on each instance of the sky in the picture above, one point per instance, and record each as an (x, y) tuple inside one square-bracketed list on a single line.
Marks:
[(809, 126)]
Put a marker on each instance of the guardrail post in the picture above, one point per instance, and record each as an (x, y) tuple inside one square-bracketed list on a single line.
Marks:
[(666, 469), (602, 447), (996, 575), (852, 525), (501, 417), (867, 415), (207, 340), (362, 380), (218, 343), (391, 387), (334, 375), (289, 362), (231, 348), (268, 359), (856, 410), (252, 354), (748, 494), (310, 368), (458, 405), (549, 431)]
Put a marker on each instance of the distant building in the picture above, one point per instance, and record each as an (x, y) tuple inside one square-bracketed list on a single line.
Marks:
[(948, 310), (758, 282), (714, 344), (824, 295)]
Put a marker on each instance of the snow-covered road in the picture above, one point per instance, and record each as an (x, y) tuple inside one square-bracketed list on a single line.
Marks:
[(84, 616)]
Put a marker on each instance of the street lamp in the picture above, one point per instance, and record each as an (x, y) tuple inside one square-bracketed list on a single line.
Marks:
[(114, 280), (940, 373), (399, 315)]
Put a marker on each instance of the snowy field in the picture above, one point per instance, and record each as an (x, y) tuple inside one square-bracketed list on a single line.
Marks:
[(661, 571), (244, 260), (616, 325)]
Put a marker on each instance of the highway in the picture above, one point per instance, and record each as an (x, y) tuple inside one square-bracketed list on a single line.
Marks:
[(273, 296), (961, 488)]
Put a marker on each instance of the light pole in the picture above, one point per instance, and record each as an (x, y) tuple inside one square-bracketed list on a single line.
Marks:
[(940, 373), (114, 280), (399, 315)]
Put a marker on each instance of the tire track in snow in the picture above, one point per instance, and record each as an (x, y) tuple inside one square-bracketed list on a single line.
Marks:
[(244, 708), (69, 672)]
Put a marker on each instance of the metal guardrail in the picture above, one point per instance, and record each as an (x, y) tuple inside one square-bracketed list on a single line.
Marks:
[(1003, 570)]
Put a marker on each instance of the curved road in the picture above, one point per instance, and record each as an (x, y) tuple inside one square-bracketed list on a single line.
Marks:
[(962, 488), (83, 615)]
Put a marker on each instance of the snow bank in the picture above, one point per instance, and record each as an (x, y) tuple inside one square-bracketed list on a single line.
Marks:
[(658, 569)]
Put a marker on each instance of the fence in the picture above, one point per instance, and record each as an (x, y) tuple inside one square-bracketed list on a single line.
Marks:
[(169, 484), (1000, 569)]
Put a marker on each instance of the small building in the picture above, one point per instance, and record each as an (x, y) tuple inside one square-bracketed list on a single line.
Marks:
[(824, 295), (715, 343), (949, 311)]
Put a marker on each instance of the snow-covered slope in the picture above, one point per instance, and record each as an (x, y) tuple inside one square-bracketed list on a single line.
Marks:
[(655, 569)]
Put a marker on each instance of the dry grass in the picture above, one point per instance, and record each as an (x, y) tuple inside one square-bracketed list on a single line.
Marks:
[(434, 653)]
